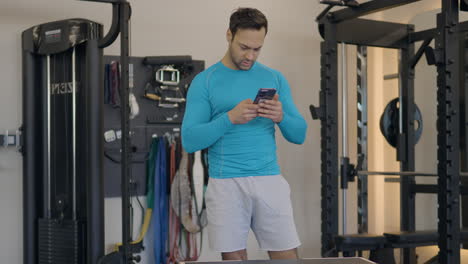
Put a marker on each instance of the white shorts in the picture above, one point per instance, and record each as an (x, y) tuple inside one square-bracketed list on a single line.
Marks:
[(263, 203)]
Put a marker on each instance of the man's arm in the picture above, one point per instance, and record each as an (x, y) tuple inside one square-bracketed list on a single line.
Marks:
[(198, 130), (293, 126)]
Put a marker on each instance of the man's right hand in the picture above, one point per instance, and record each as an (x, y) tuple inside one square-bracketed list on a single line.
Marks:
[(244, 112)]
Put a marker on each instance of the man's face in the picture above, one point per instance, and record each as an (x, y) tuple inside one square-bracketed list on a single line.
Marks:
[(245, 46)]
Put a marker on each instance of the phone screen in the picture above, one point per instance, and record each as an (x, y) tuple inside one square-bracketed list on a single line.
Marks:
[(264, 94)]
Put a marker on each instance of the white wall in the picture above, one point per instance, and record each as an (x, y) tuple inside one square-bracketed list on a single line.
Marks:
[(176, 27)]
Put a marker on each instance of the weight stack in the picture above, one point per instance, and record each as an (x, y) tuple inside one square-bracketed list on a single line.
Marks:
[(60, 241)]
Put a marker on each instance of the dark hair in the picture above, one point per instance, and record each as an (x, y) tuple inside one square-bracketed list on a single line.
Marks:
[(247, 18)]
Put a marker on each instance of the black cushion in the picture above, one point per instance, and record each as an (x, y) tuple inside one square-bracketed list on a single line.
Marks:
[(360, 241), (430, 236)]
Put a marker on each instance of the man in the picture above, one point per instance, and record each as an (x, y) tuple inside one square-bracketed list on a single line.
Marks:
[(246, 189)]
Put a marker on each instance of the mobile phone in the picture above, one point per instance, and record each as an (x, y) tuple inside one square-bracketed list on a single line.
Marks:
[(264, 94)]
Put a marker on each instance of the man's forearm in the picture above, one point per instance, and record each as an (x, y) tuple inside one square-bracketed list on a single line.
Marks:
[(293, 128), (200, 136)]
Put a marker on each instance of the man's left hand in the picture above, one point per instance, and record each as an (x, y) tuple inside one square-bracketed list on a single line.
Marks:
[(271, 109)]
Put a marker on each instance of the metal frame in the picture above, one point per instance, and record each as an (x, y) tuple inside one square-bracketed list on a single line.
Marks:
[(366, 9), (406, 145), (449, 82), (464, 146), (395, 35), (329, 140), (345, 26), (362, 137)]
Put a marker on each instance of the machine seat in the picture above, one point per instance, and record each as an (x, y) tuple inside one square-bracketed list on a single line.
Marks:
[(360, 242), (418, 238)]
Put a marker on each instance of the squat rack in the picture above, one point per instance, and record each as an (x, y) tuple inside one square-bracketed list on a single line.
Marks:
[(345, 26)]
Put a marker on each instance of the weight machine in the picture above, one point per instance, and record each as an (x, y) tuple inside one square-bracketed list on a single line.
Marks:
[(345, 26), (62, 147)]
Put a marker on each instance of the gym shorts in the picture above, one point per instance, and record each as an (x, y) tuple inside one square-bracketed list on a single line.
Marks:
[(261, 203)]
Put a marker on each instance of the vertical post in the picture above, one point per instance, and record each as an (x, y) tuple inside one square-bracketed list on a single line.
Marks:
[(450, 81), (406, 145), (94, 157), (329, 139), (464, 141), (74, 129), (49, 143), (125, 123), (31, 146), (344, 134), (362, 137)]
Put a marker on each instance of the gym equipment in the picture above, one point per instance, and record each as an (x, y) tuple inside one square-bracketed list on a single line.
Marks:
[(390, 122), (151, 120), (333, 3), (181, 194), (62, 114), (346, 26), (168, 75), (362, 182), (404, 173), (62, 178), (344, 128)]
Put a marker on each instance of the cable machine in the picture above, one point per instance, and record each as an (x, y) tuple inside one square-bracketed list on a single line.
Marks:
[(63, 197)]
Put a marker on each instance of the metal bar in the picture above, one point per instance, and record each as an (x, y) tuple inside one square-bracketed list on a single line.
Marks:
[(432, 188), (32, 150), (403, 173), (372, 33), (396, 173), (49, 203), (449, 44), (366, 8), (362, 137), (93, 96), (406, 146), (431, 33), (420, 52), (464, 143), (391, 76), (329, 141), (74, 131), (344, 128), (323, 13), (125, 123), (344, 99), (422, 35), (401, 106)]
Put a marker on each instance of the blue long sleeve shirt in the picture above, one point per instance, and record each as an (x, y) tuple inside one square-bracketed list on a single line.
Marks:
[(237, 150)]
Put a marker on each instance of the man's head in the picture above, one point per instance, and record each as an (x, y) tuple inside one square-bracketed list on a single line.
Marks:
[(246, 33)]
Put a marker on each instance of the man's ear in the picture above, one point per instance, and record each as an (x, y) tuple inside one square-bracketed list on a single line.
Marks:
[(229, 35)]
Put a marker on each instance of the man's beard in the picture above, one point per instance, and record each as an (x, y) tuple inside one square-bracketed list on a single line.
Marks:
[(239, 64)]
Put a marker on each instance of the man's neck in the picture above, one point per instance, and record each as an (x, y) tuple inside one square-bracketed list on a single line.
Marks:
[(226, 61)]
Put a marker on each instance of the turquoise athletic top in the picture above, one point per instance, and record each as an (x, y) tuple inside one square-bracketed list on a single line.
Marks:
[(237, 150)]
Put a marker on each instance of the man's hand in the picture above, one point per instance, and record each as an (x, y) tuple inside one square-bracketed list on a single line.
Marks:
[(244, 112), (271, 109)]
